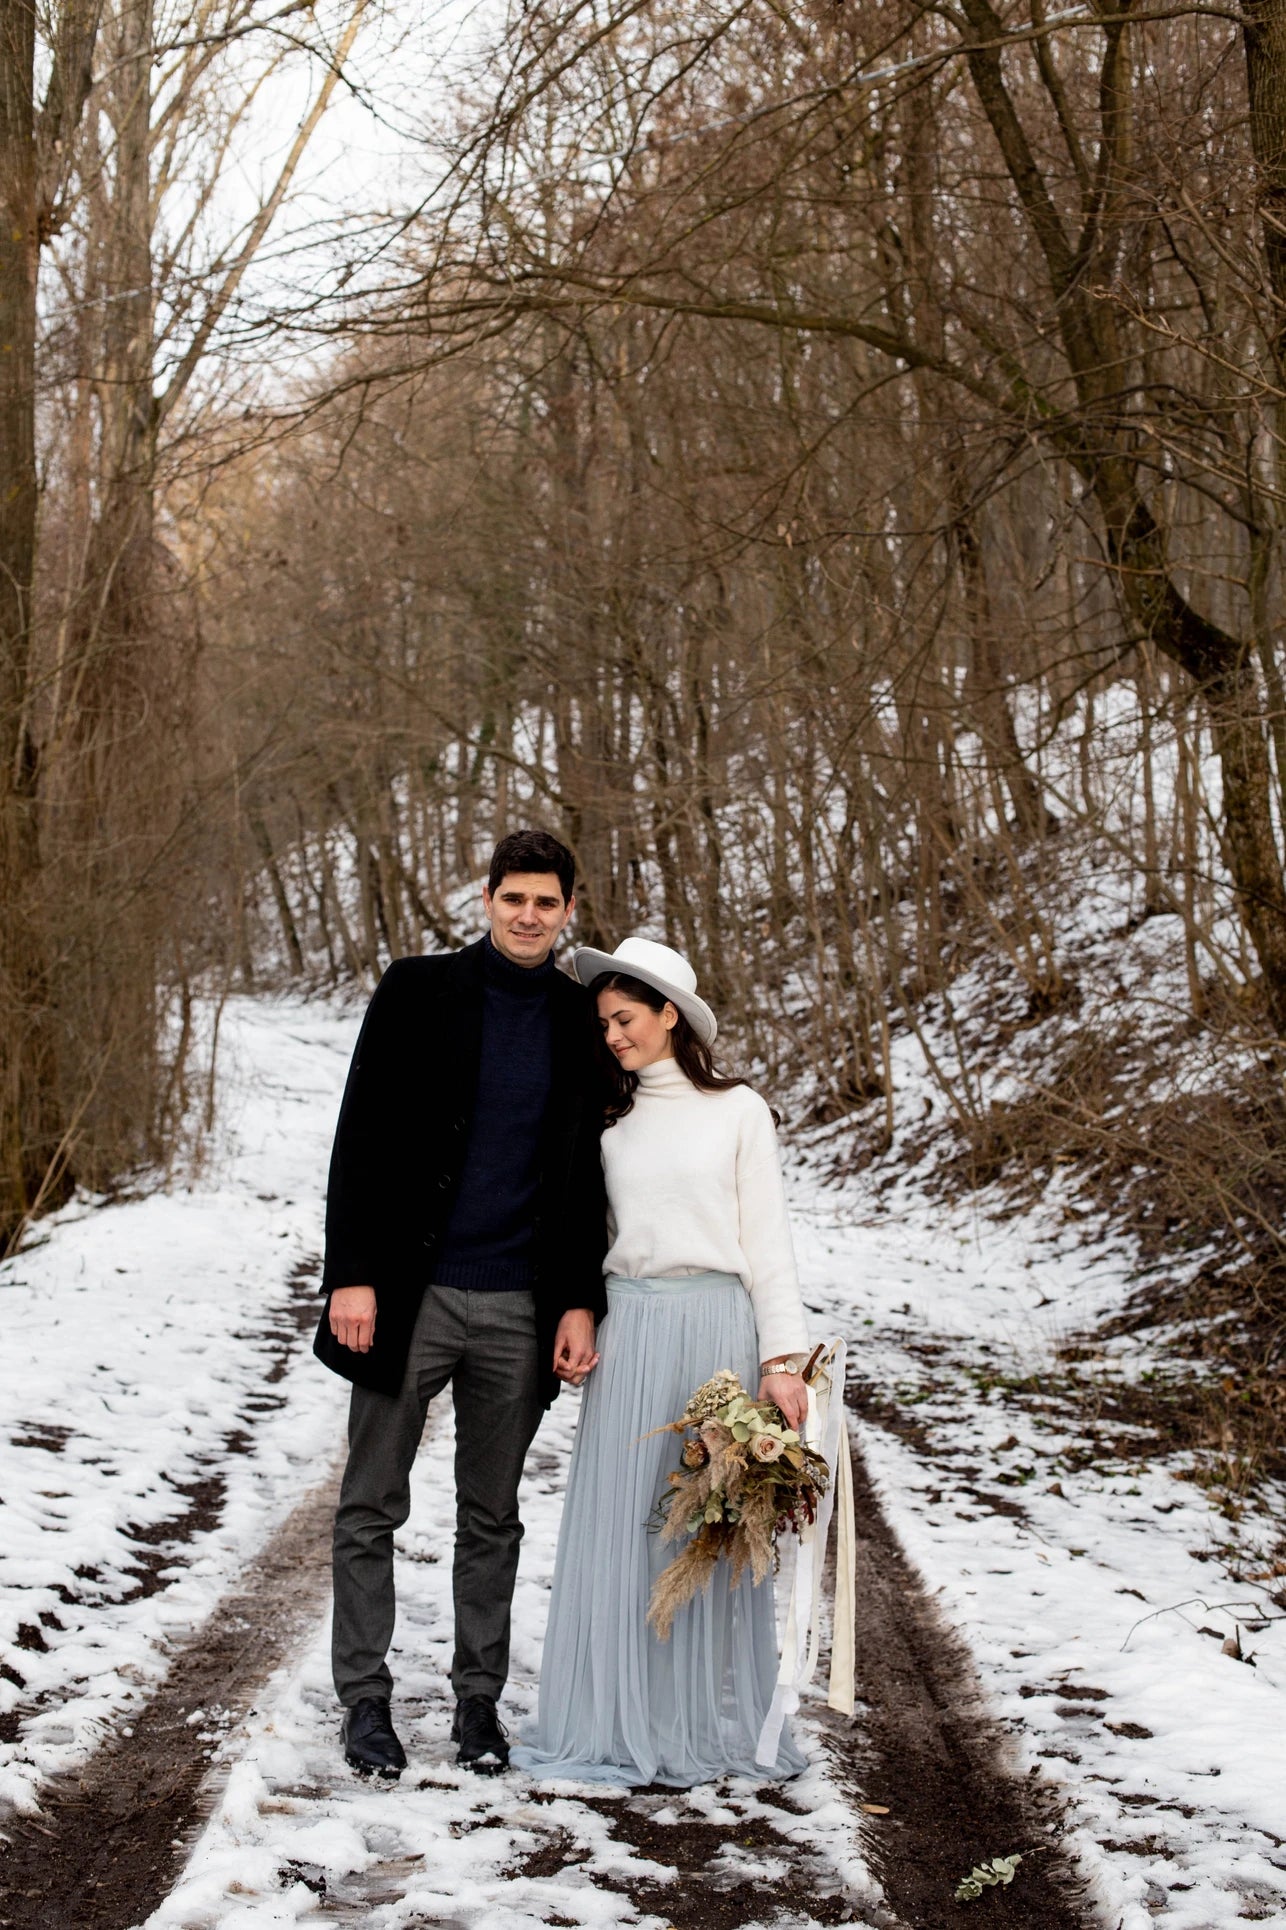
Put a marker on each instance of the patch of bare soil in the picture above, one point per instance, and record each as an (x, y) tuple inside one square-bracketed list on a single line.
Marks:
[(102, 1855)]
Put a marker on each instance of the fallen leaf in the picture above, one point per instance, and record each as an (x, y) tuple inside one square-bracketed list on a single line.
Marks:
[(874, 1809)]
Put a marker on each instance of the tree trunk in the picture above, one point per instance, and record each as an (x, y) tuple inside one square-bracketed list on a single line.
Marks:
[(114, 763), (30, 1119), (986, 690), (1219, 663), (1264, 38), (280, 896), (1223, 669), (1154, 898)]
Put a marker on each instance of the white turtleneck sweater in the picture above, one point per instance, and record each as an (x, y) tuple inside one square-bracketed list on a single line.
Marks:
[(694, 1186)]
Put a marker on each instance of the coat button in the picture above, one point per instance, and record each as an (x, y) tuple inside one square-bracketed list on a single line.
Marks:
[(444, 1182)]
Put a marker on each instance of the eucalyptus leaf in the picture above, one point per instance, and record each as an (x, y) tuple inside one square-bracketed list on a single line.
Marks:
[(999, 1871)]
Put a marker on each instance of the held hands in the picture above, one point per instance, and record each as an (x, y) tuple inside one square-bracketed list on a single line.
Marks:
[(352, 1317), (352, 1321), (791, 1396), (575, 1356)]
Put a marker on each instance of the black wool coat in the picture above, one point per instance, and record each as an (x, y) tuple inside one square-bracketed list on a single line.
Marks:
[(399, 1154)]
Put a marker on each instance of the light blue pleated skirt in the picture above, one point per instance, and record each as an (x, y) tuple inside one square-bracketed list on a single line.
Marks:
[(616, 1704)]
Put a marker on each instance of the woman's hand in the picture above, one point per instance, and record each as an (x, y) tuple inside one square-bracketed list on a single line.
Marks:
[(575, 1355), (790, 1394)]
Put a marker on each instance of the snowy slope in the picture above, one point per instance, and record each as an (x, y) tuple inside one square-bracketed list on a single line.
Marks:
[(1049, 1553)]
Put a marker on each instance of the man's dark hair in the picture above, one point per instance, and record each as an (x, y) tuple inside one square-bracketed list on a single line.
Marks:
[(532, 851)]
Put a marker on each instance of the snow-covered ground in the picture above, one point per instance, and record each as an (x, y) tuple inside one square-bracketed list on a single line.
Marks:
[(1171, 1754), (144, 1351), (140, 1336)]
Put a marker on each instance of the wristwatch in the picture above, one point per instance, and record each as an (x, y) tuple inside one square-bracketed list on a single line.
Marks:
[(791, 1365)]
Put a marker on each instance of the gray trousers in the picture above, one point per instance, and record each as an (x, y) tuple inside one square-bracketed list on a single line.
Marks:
[(485, 1345)]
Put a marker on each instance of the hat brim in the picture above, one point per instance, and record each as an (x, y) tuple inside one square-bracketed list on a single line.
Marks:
[(589, 964)]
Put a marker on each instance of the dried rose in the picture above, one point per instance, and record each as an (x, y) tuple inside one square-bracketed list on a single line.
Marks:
[(695, 1454), (767, 1447)]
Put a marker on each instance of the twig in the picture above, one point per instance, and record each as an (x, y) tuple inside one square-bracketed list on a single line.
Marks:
[(1209, 1608)]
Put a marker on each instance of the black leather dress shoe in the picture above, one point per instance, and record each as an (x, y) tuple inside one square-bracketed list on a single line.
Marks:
[(370, 1743), (483, 1740)]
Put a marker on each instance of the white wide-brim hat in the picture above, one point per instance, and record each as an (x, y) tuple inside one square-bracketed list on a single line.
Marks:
[(657, 965)]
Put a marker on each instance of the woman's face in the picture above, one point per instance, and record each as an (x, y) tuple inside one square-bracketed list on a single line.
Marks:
[(634, 1032)]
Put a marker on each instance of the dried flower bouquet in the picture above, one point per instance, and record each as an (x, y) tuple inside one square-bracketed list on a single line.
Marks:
[(746, 1478)]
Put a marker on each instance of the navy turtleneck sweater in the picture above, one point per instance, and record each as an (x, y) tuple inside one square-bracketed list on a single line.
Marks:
[(491, 1235)]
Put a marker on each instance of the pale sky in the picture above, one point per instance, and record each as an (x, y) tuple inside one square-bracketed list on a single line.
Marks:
[(371, 157)]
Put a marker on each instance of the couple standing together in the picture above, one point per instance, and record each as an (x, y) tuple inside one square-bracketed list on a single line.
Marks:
[(507, 1139)]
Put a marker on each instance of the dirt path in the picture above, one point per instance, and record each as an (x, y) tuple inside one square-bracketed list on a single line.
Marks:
[(103, 1855), (926, 1747), (107, 1848)]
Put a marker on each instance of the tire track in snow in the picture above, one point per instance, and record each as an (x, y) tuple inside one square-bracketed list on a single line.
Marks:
[(109, 1844), (925, 1744)]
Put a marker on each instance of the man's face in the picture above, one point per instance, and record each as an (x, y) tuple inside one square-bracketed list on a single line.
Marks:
[(527, 912)]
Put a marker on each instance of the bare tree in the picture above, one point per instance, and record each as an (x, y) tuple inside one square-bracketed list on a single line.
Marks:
[(35, 142)]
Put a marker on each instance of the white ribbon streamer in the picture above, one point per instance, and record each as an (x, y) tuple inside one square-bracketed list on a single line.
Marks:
[(826, 1431)]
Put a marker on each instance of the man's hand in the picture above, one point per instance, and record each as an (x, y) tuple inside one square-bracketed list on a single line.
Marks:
[(352, 1317), (574, 1353)]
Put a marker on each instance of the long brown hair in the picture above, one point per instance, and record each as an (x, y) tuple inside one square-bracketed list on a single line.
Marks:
[(693, 1055)]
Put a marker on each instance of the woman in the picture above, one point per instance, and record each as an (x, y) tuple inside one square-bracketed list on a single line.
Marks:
[(701, 1276)]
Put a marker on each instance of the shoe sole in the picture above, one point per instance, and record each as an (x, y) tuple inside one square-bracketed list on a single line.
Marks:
[(372, 1769), (484, 1765)]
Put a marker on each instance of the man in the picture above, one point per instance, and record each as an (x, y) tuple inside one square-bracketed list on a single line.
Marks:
[(465, 1235)]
